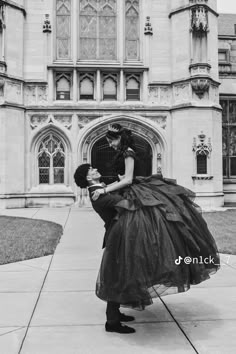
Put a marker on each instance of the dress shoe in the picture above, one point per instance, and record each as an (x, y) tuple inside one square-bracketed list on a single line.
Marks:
[(119, 328), (126, 318)]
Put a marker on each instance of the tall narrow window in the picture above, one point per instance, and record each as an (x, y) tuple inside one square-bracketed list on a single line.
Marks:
[(133, 88), (98, 29), (63, 86), (229, 137), (86, 86), (110, 87), (201, 164), (63, 29), (51, 160), (132, 31)]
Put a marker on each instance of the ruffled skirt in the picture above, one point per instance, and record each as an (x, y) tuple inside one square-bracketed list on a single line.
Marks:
[(159, 245)]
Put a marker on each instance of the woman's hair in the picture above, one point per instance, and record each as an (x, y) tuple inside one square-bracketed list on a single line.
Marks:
[(115, 131)]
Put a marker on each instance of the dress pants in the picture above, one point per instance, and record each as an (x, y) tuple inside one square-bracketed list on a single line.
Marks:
[(112, 312)]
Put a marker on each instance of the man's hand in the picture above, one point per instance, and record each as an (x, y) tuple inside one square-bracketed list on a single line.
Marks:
[(97, 193), (121, 177)]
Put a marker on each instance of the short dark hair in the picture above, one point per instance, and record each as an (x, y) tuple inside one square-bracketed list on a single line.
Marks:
[(80, 175)]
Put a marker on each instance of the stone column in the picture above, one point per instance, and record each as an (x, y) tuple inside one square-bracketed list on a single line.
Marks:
[(122, 86), (75, 86), (50, 86), (98, 86)]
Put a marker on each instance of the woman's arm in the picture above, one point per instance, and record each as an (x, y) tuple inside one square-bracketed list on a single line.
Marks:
[(128, 177)]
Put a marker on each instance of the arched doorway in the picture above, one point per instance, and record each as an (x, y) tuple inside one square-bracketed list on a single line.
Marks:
[(102, 158)]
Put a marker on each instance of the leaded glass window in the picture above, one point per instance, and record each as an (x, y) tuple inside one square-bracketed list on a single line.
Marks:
[(229, 137), (51, 160), (63, 28), (132, 30), (98, 29)]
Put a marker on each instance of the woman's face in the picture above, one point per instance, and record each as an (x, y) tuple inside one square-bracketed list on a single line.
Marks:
[(114, 143)]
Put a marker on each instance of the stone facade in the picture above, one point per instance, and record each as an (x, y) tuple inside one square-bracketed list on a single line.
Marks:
[(68, 68)]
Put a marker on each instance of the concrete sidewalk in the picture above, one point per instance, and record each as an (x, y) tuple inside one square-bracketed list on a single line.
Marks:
[(48, 304)]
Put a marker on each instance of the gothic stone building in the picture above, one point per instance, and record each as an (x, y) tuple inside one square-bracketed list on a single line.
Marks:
[(68, 68)]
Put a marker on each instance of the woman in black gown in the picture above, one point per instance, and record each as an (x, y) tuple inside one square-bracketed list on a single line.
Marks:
[(160, 243)]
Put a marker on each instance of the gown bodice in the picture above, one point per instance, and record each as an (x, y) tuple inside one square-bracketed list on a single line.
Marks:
[(120, 161)]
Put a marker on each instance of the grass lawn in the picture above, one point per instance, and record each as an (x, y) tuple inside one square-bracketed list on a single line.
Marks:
[(223, 227), (22, 238)]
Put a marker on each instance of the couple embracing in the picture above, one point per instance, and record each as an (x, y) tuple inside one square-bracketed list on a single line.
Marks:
[(150, 222)]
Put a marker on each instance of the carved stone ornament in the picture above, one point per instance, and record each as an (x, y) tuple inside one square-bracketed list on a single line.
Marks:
[(38, 120), (83, 120), (200, 86), (181, 93), (159, 120), (202, 148), (148, 27), (160, 95), (199, 19), (47, 25), (66, 121)]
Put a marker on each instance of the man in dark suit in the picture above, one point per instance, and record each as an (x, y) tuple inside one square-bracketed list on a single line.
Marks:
[(86, 176)]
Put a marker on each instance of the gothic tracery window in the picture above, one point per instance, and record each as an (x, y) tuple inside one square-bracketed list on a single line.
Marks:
[(63, 28), (51, 160), (229, 137), (98, 29), (132, 31)]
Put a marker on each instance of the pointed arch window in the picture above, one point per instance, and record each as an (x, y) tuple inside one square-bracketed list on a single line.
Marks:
[(63, 86), (133, 87), (110, 87), (63, 29), (87, 86), (132, 29), (98, 29), (51, 160)]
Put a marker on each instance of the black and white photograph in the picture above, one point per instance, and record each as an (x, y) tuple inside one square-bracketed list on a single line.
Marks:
[(117, 176)]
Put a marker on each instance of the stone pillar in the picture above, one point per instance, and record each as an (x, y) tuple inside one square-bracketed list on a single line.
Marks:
[(98, 86), (50, 86), (75, 86), (122, 86)]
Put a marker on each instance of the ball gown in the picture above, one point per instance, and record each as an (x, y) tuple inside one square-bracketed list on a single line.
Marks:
[(159, 244)]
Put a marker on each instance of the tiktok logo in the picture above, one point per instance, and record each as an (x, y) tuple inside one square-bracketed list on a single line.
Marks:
[(178, 260)]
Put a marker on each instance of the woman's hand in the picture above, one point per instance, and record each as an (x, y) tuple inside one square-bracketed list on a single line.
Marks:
[(96, 194)]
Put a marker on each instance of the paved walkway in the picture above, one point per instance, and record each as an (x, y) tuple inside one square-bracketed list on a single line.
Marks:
[(48, 305)]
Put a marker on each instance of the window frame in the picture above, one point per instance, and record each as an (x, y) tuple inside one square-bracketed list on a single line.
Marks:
[(51, 156), (63, 73), (227, 125), (56, 57), (116, 59)]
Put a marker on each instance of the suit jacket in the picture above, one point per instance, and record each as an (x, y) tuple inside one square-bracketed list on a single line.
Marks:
[(105, 207)]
